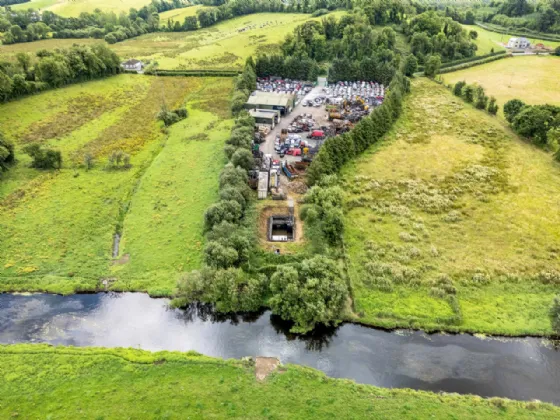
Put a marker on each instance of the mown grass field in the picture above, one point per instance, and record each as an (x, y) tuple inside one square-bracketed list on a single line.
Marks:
[(66, 382), (533, 79), (487, 40), (58, 226), (73, 8), (444, 196), (221, 46)]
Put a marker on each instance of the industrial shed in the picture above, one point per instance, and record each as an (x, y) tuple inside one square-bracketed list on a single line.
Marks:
[(282, 102)]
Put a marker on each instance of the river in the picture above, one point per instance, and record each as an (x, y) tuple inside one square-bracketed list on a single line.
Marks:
[(521, 369)]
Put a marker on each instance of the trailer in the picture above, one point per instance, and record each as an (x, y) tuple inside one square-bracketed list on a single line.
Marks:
[(263, 185)]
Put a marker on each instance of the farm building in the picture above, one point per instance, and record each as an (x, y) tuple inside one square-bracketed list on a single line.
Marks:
[(133, 65), (518, 43), (264, 117), (282, 102)]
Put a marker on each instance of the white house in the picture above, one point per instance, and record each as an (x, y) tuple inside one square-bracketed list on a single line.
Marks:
[(133, 65), (521, 43)]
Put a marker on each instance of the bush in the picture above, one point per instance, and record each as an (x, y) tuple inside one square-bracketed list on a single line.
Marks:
[(243, 158), (492, 106), (319, 12), (458, 88), (410, 65), (171, 117), (481, 100), (432, 66), (512, 108), (7, 154), (468, 93), (118, 160), (557, 51), (225, 210), (534, 122), (43, 158), (230, 290), (308, 293)]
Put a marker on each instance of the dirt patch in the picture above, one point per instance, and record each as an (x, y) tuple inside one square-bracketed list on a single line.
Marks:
[(264, 366), (273, 208), (122, 260)]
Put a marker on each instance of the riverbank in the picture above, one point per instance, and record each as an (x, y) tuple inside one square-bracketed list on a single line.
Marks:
[(111, 383)]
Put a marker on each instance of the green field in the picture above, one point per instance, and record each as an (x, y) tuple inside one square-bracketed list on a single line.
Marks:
[(533, 79), (179, 15), (73, 8), (39, 381), (58, 226), (487, 40), (442, 196), (221, 46)]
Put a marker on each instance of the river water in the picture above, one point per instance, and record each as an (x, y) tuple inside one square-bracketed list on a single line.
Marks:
[(521, 369)]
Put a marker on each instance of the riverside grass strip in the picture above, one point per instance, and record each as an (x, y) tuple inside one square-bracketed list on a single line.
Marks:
[(69, 382)]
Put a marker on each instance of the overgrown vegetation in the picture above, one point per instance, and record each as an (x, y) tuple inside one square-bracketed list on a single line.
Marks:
[(109, 141), (7, 154), (442, 242), (191, 385)]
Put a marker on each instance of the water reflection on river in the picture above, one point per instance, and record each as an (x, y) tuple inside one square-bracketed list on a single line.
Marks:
[(520, 369)]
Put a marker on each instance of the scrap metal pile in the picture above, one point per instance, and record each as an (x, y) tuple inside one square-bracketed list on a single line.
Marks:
[(277, 85), (370, 92)]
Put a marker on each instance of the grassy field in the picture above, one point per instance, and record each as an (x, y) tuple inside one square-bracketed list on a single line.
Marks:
[(58, 226), (533, 79), (73, 8), (487, 40), (445, 203), (220, 46), (65, 382), (179, 15)]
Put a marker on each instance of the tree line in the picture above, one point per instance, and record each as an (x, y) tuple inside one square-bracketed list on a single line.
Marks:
[(542, 16), (475, 94), (30, 25), (53, 69), (354, 48)]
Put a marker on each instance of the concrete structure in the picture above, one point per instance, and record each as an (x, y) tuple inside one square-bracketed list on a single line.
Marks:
[(521, 43), (282, 102), (264, 117), (133, 65)]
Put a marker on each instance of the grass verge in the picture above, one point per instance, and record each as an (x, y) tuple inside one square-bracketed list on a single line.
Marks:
[(67, 382)]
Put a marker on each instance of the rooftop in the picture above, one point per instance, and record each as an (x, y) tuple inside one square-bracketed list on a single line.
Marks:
[(268, 98)]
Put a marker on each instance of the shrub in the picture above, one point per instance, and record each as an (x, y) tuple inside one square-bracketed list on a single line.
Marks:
[(7, 154), (118, 160), (557, 50), (492, 106), (43, 158), (88, 161), (243, 158), (432, 66), (171, 117), (458, 88), (512, 108), (481, 100), (410, 65), (225, 210), (308, 293), (468, 93), (534, 122)]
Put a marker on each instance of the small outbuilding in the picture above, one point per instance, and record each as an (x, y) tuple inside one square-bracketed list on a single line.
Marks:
[(521, 43), (133, 65), (263, 117), (283, 102)]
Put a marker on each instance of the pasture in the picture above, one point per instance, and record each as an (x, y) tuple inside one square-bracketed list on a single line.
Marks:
[(73, 8), (58, 226), (453, 225), (179, 15), (533, 79), (222, 46)]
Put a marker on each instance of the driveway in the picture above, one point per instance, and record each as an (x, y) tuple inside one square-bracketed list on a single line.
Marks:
[(319, 115)]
